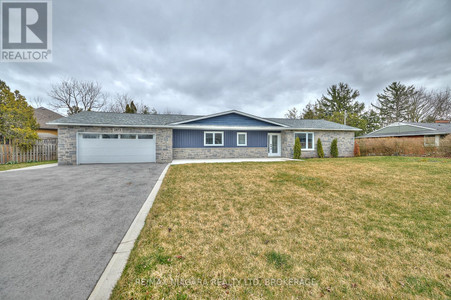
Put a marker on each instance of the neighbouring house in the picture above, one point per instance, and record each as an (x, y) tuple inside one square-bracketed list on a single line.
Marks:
[(428, 134), (43, 116), (101, 137)]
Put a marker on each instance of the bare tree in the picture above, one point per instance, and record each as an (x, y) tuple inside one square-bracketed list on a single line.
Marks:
[(120, 101), (293, 113), (36, 102), (420, 105), (441, 101), (168, 111), (77, 96)]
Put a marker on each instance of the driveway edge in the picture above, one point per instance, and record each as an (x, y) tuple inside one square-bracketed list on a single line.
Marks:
[(116, 265)]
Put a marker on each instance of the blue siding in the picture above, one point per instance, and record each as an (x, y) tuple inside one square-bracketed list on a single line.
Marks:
[(231, 119), (195, 138)]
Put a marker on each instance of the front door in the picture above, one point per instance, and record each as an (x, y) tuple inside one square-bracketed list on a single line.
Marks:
[(274, 144)]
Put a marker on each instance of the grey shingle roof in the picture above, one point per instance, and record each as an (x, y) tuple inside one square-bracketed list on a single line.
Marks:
[(313, 124), (44, 115), (400, 130), (118, 119)]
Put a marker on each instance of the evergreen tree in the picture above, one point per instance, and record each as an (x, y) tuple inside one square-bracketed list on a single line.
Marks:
[(130, 108), (133, 109), (319, 149), (373, 121), (17, 121), (393, 104), (341, 98), (297, 149), (334, 148)]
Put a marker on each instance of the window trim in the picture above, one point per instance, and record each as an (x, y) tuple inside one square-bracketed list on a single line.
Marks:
[(306, 140), (238, 139), (214, 133)]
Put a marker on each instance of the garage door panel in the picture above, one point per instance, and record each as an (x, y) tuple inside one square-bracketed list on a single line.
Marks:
[(98, 150)]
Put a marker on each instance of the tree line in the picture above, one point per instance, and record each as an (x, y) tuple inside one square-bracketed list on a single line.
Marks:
[(77, 95), (396, 103), (17, 121)]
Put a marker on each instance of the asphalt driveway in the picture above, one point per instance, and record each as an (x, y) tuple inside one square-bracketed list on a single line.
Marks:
[(60, 226)]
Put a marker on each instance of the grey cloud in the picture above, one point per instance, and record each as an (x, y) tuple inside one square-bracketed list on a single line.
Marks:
[(259, 56)]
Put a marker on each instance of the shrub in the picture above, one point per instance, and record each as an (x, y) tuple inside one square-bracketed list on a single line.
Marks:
[(297, 149), (395, 146), (334, 148), (356, 149), (445, 146), (319, 149)]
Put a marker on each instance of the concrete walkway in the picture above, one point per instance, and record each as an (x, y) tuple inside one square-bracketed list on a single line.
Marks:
[(226, 160)]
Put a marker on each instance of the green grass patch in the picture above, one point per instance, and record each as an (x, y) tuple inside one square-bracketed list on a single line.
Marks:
[(11, 166), (278, 260)]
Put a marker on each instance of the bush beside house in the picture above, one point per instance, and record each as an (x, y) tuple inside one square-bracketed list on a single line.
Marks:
[(334, 148), (297, 149), (319, 149), (356, 149)]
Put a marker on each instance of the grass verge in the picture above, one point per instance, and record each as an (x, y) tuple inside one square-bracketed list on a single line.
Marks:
[(5, 167)]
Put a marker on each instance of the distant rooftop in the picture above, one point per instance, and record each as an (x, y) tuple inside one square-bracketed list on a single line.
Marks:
[(44, 115), (410, 129)]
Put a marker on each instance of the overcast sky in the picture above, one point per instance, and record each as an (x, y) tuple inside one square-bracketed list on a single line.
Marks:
[(261, 57)]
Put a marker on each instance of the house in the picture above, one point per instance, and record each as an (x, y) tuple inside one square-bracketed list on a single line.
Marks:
[(430, 134), (101, 137), (44, 115)]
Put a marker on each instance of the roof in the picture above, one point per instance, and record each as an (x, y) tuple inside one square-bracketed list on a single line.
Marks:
[(44, 115), (88, 118), (313, 124), (410, 129)]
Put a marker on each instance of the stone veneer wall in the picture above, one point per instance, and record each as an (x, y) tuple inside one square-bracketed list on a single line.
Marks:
[(220, 152), (345, 143), (67, 141)]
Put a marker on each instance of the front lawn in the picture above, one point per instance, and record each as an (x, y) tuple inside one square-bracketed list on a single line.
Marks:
[(5, 167), (357, 228)]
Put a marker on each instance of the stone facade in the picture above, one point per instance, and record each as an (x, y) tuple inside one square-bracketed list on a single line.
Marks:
[(345, 143), (67, 145), (220, 152), (67, 141)]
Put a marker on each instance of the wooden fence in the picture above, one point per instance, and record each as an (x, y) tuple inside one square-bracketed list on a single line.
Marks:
[(42, 150)]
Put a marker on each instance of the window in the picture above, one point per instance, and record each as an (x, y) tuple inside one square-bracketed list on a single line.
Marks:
[(241, 139), (213, 138), (110, 136), (90, 136), (128, 136), (145, 137), (306, 139)]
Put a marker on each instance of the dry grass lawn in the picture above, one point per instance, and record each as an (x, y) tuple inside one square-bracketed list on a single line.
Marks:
[(357, 228)]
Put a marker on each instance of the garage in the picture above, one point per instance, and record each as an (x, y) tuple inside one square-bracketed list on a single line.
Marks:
[(115, 148)]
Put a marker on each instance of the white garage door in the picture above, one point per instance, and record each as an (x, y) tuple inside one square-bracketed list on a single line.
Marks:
[(115, 148)]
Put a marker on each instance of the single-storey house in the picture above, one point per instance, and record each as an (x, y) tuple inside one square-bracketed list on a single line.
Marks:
[(43, 116), (103, 137), (430, 134)]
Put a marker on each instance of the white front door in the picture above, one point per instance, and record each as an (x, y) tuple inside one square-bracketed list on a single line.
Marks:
[(274, 146)]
